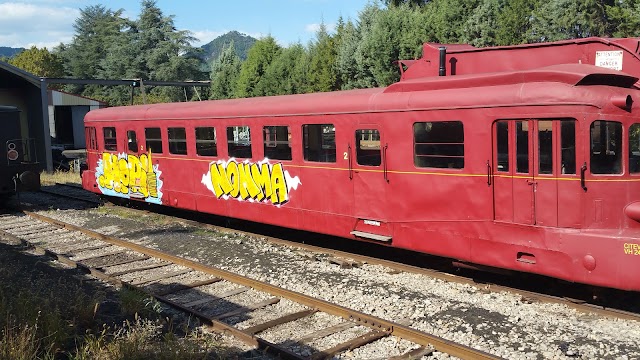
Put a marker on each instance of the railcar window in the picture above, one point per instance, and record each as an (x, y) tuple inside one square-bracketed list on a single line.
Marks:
[(239, 141), (545, 147), (277, 143), (634, 149), (177, 141), (91, 136), (568, 146), (439, 144), (319, 142), (522, 147), (132, 142), (110, 141), (154, 139), (502, 138), (206, 141), (368, 147), (606, 147)]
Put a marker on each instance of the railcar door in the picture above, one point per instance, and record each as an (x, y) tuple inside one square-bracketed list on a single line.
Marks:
[(370, 179), (530, 159), (513, 172)]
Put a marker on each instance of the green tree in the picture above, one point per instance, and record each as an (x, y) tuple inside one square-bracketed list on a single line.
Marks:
[(396, 33), (224, 73), (287, 73), (567, 19), (514, 22), (480, 28), (95, 30), (624, 18), (447, 18), (166, 52), (253, 69), (322, 57), (39, 62), (403, 2), (353, 60)]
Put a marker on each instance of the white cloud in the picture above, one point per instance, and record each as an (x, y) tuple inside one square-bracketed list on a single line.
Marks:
[(313, 28), (24, 25)]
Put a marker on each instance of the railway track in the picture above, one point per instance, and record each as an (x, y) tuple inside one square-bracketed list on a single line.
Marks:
[(246, 308), (348, 259)]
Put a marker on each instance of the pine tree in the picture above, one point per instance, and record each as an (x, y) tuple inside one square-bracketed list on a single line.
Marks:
[(253, 69), (224, 73), (322, 57)]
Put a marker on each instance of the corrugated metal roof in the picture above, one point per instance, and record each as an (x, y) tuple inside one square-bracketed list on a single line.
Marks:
[(61, 98)]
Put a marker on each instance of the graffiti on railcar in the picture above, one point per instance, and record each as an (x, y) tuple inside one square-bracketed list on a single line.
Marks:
[(129, 176), (261, 181)]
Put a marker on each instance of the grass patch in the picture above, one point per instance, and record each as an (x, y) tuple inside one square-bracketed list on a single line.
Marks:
[(46, 312), (58, 176)]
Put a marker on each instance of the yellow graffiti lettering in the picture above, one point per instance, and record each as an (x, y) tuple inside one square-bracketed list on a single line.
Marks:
[(279, 185), (130, 175), (248, 188), (262, 179), (245, 181), (234, 179)]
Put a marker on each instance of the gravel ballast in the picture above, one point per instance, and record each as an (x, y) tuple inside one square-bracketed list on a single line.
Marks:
[(503, 324)]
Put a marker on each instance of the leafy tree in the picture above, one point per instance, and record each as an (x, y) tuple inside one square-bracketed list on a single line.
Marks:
[(514, 22), (39, 62), (95, 30), (224, 73), (163, 49), (447, 18), (624, 18), (396, 33), (353, 60), (567, 19), (287, 73), (322, 56), (480, 28), (253, 69), (402, 2)]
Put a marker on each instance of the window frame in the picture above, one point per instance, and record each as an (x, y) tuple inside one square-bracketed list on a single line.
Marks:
[(621, 137), (233, 153), (321, 152), (206, 141), (146, 140), (438, 144), (271, 147), (170, 141), (110, 146)]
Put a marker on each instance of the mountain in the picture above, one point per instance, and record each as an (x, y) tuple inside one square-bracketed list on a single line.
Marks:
[(241, 42), (9, 52)]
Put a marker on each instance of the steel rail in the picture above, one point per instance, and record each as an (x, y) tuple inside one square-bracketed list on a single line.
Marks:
[(578, 305), (404, 332)]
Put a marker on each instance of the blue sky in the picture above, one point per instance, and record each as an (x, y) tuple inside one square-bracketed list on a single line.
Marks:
[(46, 23)]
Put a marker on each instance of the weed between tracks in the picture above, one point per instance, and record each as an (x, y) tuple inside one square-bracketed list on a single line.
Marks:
[(63, 177), (47, 312)]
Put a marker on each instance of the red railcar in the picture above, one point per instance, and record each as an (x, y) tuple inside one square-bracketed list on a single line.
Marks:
[(534, 170)]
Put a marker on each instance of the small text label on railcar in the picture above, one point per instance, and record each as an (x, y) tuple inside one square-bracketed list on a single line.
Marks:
[(631, 249), (129, 176), (261, 181), (609, 59)]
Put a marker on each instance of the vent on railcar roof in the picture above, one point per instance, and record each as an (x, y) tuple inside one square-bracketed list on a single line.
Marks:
[(623, 81)]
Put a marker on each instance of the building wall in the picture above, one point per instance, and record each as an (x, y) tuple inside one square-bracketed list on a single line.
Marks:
[(16, 97), (78, 113)]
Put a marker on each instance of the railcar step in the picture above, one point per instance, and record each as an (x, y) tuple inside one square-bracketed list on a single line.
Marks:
[(371, 236)]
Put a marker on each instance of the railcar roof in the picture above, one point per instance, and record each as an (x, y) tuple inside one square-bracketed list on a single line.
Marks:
[(392, 97)]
